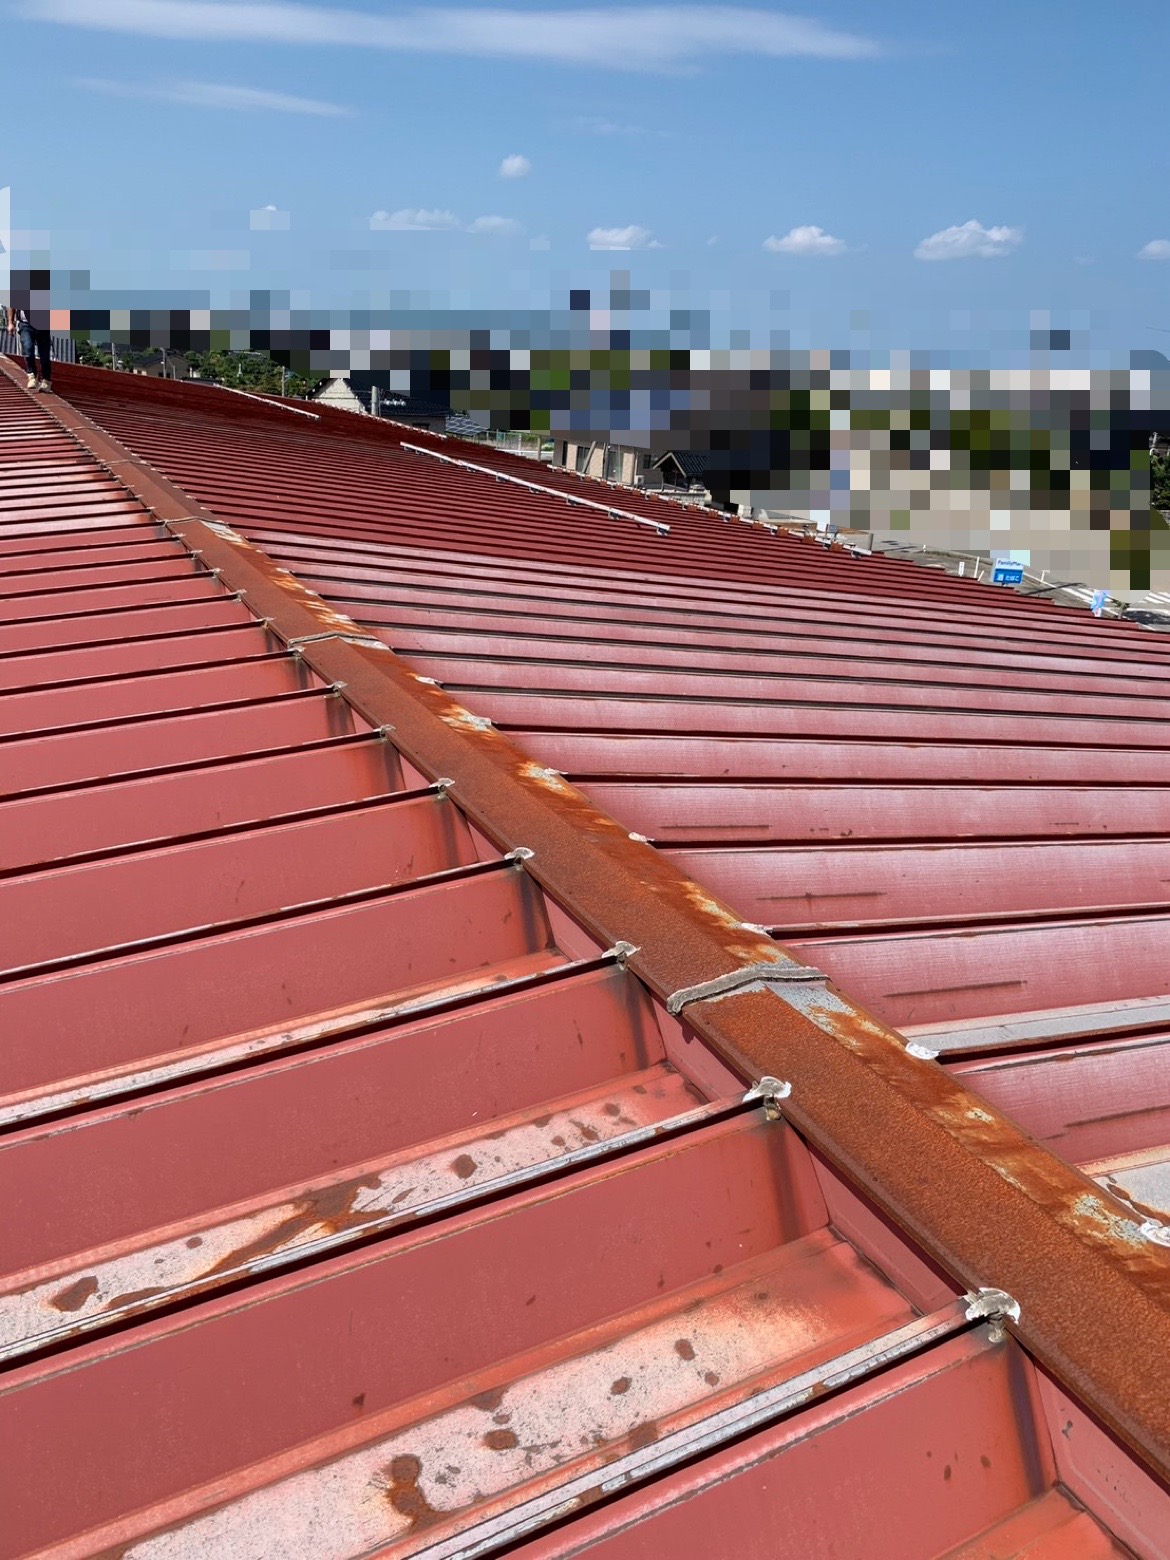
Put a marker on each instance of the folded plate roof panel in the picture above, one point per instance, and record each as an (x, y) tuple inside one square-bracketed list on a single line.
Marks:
[(407, 1155)]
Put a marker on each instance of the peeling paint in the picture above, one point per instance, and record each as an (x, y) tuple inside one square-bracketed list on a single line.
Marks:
[(323, 1217), (564, 1421)]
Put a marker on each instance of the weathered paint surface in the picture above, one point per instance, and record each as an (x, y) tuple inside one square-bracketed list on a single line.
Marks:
[(872, 679), (1143, 1182), (641, 1386), (314, 1219), (921, 1461)]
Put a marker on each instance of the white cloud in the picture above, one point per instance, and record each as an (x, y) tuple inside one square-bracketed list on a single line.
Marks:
[(632, 37), (269, 219), (622, 238), (540, 242), (969, 240), (215, 95), (422, 219), (515, 167), (806, 241), (498, 227), (413, 219), (1156, 249)]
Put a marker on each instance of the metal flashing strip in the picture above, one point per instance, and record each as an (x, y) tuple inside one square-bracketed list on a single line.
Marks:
[(1094, 1293), (296, 645), (1050, 1026), (701, 1438), (661, 526), (752, 977)]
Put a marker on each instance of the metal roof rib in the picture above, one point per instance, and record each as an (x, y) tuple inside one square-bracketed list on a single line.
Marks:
[(370, 1193)]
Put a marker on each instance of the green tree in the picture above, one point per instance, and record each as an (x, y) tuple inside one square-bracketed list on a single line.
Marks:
[(254, 371), (244, 370), (1160, 481), (93, 355)]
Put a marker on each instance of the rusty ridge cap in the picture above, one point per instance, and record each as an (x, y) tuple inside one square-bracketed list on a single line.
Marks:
[(984, 1200)]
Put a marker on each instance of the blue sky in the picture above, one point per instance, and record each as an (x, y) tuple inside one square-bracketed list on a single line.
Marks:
[(928, 174)]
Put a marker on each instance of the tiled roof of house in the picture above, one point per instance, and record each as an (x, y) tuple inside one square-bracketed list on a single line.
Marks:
[(692, 463)]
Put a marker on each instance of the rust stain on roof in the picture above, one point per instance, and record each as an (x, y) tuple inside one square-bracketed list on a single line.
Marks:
[(377, 1160)]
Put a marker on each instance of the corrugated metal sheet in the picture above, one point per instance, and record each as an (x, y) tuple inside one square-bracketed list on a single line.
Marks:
[(363, 1202)]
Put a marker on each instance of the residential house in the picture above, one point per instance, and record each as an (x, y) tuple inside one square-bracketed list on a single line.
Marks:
[(622, 463), (360, 393), (162, 363)]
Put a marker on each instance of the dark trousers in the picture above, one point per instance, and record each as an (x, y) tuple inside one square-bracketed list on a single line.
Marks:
[(36, 343)]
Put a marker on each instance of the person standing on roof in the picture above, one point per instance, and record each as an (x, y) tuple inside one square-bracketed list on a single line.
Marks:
[(28, 317)]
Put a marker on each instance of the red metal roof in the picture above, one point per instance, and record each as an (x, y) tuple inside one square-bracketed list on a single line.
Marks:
[(380, 1170)]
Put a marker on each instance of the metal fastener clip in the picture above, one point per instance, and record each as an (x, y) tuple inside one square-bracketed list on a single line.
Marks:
[(771, 1091), (621, 952), (994, 1305), (922, 1052)]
